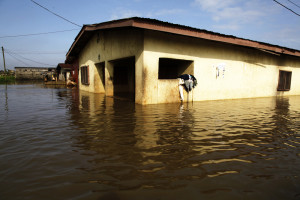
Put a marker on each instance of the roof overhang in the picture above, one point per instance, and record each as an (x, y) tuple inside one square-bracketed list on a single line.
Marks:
[(64, 67), (150, 24)]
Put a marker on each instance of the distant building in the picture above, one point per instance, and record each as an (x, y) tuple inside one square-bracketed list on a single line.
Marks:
[(33, 73), (144, 57), (67, 72), (11, 72)]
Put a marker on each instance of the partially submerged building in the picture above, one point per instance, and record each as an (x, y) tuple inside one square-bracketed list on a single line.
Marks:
[(142, 58), (33, 73), (67, 72)]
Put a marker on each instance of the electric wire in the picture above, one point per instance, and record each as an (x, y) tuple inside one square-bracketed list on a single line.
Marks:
[(287, 8), (34, 34), (10, 53), (293, 3), (35, 52), (55, 13), (17, 59)]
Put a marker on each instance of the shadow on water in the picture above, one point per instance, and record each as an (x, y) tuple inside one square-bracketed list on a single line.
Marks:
[(109, 148)]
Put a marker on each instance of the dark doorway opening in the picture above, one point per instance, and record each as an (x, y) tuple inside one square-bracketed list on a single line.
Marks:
[(102, 72), (124, 78), (100, 79)]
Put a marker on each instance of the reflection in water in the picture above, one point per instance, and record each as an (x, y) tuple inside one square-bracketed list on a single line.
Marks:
[(6, 99), (106, 148)]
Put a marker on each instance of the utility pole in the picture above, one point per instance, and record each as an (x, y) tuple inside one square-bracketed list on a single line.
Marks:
[(4, 62)]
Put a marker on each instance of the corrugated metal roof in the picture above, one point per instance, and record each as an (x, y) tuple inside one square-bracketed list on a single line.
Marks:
[(153, 24)]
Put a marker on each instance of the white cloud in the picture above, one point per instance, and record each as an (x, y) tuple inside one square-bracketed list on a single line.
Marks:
[(287, 36), (214, 5), (233, 13), (121, 13), (167, 12), (227, 26)]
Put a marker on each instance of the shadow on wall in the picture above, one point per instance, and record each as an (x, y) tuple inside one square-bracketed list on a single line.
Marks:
[(215, 50)]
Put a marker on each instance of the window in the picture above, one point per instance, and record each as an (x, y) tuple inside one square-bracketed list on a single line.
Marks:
[(84, 75), (284, 82), (172, 68)]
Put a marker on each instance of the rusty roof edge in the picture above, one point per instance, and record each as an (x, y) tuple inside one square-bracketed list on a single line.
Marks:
[(204, 34), (104, 25), (157, 25), (76, 40), (111, 24)]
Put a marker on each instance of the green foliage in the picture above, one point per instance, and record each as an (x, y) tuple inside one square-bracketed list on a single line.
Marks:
[(7, 79)]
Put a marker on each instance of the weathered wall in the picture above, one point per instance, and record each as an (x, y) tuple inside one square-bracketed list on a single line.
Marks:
[(104, 48), (248, 72), (31, 73)]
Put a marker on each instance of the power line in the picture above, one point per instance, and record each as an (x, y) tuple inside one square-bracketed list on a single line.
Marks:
[(35, 52), (17, 59), (293, 3), (34, 34), (10, 53), (55, 14), (287, 8)]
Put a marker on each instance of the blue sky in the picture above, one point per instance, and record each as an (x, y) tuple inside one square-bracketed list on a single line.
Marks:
[(260, 20)]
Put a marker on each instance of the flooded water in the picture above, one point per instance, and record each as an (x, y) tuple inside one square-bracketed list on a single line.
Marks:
[(64, 144)]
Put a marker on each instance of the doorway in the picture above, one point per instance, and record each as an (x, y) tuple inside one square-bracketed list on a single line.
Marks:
[(99, 79), (124, 78)]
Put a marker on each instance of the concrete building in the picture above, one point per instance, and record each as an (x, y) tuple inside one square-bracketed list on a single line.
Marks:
[(66, 72), (33, 73), (142, 58)]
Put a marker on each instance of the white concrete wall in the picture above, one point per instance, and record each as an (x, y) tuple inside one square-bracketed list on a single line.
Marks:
[(248, 72), (104, 47)]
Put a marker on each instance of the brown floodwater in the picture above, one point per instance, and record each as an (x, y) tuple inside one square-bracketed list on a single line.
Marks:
[(58, 143)]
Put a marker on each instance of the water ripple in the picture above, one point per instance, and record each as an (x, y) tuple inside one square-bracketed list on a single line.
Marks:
[(87, 146)]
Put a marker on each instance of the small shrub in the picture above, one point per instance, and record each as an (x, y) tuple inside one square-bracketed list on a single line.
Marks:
[(7, 79)]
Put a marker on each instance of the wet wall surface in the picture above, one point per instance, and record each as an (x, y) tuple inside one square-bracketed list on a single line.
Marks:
[(65, 144)]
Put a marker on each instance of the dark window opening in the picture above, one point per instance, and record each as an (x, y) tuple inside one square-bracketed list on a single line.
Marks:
[(172, 68), (84, 75), (284, 82)]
